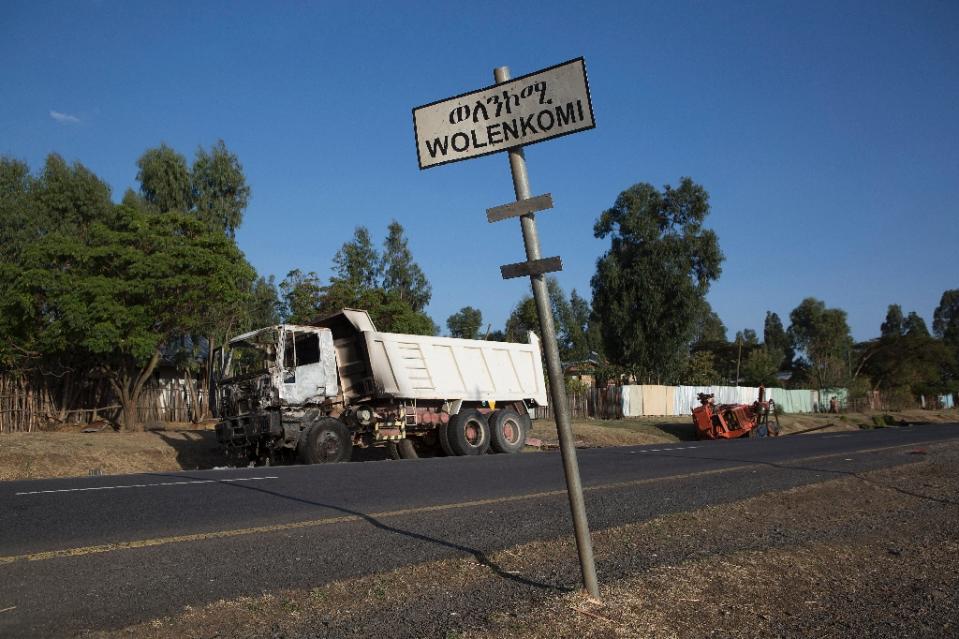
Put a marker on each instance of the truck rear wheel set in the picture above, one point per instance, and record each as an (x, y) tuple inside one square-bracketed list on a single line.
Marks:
[(472, 432)]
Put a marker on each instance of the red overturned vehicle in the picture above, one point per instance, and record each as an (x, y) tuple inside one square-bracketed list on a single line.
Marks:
[(731, 421)]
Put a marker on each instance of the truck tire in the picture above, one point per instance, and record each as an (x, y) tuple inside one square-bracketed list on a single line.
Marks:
[(325, 442), (442, 434), (507, 431), (468, 433), (402, 449)]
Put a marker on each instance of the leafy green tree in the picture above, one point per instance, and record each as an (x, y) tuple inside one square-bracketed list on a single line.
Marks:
[(301, 297), (522, 320), (357, 263), (822, 335), (465, 323), (131, 285), (579, 338), (915, 325), (219, 190), (61, 200), (894, 325), (708, 328), (945, 321), (700, 369), (760, 367), (401, 275), (652, 281), (392, 314), (777, 341), (214, 188), (165, 180), (747, 337), (571, 331), (356, 283), (264, 306)]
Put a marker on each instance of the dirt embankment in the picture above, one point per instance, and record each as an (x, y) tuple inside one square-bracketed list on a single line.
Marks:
[(869, 555), (184, 447), (72, 454)]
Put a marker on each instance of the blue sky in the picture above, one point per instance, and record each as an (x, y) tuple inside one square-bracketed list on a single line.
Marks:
[(827, 133)]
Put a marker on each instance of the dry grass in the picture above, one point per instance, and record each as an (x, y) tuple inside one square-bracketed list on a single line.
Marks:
[(71, 454)]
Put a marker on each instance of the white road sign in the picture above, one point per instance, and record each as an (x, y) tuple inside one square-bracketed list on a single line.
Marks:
[(529, 109)]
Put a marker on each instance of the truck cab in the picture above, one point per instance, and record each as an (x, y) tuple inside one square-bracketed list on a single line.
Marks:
[(267, 379)]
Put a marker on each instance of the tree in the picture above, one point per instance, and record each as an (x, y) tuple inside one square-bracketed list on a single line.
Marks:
[(651, 283), (115, 296), (760, 367), (165, 180), (572, 321), (747, 337), (264, 304), (893, 326), (578, 334), (465, 323), (219, 190), (822, 335), (708, 328), (915, 325), (214, 188), (522, 320), (945, 321), (357, 263), (700, 370), (777, 341), (945, 325), (61, 200), (301, 297), (401, 275)]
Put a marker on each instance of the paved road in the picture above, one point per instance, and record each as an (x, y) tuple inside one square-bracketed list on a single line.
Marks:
[(104, 552)]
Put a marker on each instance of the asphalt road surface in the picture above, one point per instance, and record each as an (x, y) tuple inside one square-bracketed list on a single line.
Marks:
[(97, 553)]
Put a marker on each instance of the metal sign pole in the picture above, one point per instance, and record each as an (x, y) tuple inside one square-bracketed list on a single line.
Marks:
[(574, 487)]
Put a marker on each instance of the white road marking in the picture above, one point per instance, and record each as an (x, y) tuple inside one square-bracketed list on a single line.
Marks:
[(166, 483)]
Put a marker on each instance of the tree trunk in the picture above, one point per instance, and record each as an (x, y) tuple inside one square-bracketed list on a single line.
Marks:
[(128, 384), (194, 407)]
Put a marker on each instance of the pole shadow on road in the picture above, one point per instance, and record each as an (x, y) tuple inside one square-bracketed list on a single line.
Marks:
[(480, 556)]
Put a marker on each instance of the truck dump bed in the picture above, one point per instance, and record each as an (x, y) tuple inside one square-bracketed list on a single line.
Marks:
[(374, 364)]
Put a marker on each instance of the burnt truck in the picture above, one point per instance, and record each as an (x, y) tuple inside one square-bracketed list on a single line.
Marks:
[(311, 393)]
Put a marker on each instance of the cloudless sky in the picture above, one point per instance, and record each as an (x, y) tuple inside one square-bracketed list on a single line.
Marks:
[(827, 133)]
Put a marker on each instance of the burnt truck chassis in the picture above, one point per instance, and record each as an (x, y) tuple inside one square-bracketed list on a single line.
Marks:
[(276, 434)]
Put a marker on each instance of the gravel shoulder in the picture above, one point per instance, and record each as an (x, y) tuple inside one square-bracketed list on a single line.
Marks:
[(873, 554)]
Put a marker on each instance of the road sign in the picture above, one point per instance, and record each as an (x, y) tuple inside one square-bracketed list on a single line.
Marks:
[(525, 110), (505, 117)]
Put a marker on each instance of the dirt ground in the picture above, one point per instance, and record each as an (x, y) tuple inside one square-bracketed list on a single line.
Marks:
[(71, 453), (869, 555)]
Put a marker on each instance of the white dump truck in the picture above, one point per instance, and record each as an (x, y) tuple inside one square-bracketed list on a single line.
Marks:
[(312, 393)]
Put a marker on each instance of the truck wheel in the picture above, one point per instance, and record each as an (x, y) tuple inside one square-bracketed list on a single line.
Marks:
[(468, 433), (442, 434), (507, 431), (325, 442), (402, 449)]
